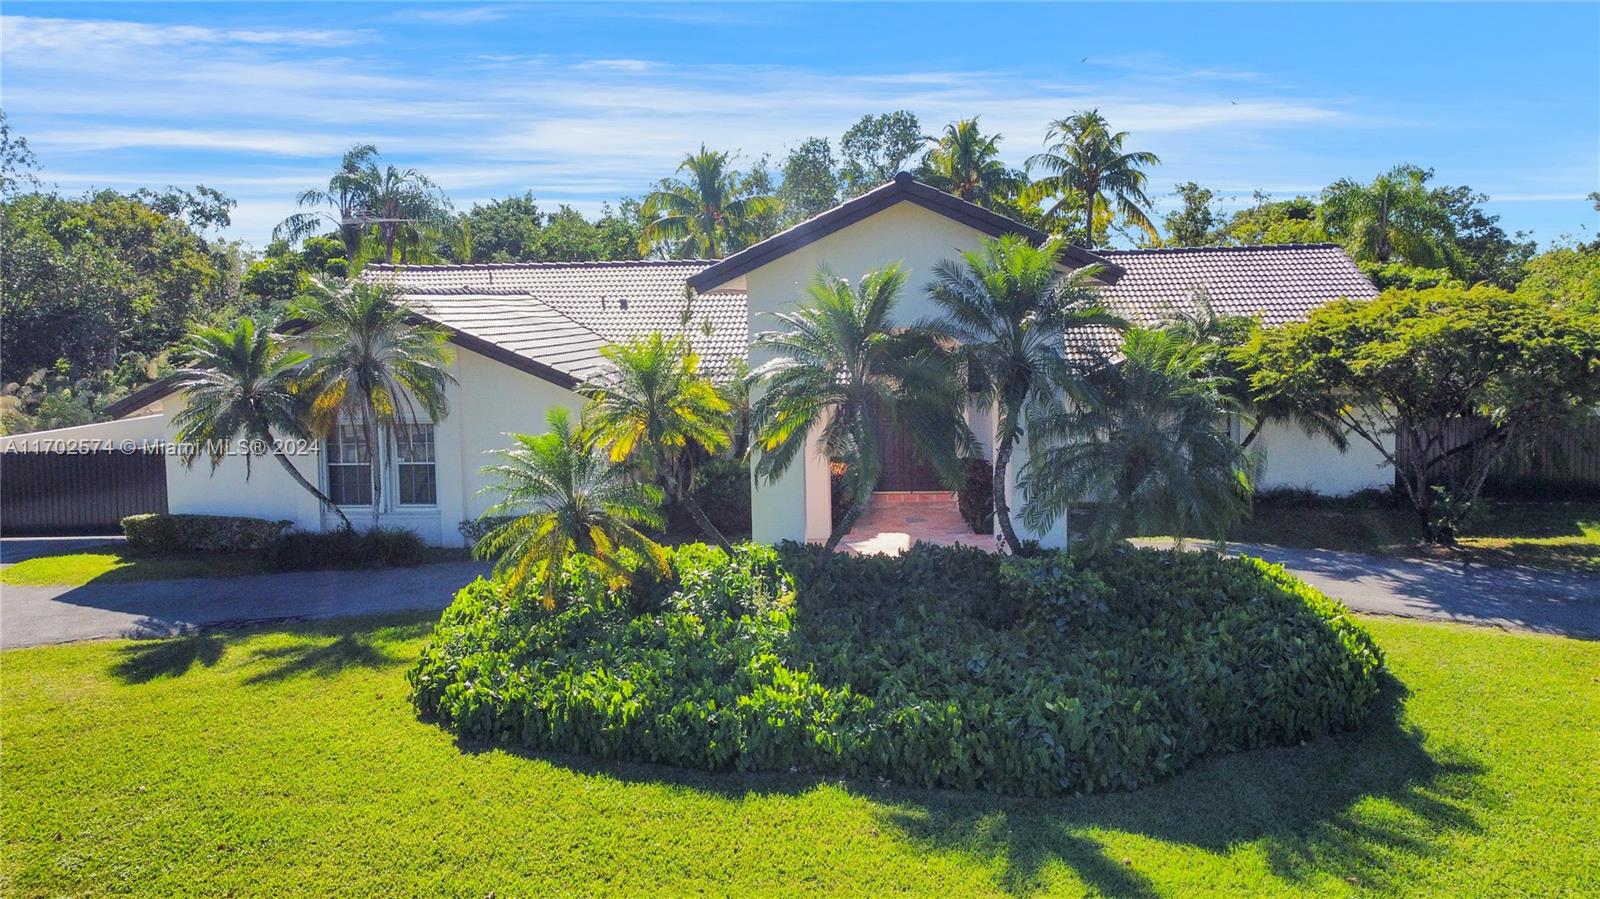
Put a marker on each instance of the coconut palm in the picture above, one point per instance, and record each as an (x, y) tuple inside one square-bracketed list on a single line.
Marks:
[(841, 366), (241, 387), (1150, 451), (1394, 215), (374, 363), (1090, 174), (708, 214), (966, 162), (560, 496), (651, 404), (1014, 315)]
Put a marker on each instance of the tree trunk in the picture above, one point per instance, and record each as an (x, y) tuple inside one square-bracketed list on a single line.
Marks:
[(1255, 431), (1009, 544), (687, 498), (371, 431), (311, 488), (848, 521)]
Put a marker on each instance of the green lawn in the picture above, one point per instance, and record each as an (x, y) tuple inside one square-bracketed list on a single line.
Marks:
[(116, 565), (287, 761)]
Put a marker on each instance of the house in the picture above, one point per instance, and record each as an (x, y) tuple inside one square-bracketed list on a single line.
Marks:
[(526, 335)]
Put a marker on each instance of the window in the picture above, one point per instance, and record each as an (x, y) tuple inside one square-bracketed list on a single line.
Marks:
[(349, 467), (414, 467)]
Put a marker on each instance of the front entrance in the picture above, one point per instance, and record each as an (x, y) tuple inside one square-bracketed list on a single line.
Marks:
[(904, 469)]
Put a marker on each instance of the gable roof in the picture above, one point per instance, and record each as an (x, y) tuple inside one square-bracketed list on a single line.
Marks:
[(903, 189)]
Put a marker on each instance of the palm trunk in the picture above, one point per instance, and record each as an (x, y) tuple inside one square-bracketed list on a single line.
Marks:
[(848, 521), (1255, 431), (687, 498), (371, 432), (1002, 507), (311, 488)]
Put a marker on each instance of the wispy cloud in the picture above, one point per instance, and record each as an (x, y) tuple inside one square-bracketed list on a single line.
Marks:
[(453, 15), (27, 33)]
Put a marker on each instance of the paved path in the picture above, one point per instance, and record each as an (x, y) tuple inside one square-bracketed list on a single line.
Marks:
[(1551, 602), (34, 615)]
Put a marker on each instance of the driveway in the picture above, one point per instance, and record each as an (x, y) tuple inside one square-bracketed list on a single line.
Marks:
[(34, 615)]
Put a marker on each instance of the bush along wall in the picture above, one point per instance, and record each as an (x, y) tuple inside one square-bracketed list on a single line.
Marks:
[(942, 667), (157, 532)]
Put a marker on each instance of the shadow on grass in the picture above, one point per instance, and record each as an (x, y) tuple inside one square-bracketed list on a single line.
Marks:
[(145, 661), (1358, 807)]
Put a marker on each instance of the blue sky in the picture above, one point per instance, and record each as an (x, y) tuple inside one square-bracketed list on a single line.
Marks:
[(586, 104)]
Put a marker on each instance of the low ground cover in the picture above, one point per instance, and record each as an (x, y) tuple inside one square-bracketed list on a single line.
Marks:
[(288, 761), (942, 667)]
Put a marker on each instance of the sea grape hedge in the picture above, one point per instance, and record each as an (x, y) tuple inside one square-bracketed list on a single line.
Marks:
[(942, 667)]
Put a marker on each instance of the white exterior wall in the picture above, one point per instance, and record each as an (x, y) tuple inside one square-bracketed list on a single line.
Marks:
[(1296, 459)]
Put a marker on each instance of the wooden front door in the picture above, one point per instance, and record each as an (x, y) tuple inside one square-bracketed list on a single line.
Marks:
[(904, 469)]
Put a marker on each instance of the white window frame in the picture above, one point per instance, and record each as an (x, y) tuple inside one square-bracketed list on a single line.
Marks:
[(388, 469)]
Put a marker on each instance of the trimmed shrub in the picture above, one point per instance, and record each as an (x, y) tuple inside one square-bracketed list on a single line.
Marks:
[(377, 548), (155, 532), (976, 498), (942, 667)]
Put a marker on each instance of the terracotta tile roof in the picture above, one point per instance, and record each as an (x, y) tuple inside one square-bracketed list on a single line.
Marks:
[(1280, 284), (568, 310)]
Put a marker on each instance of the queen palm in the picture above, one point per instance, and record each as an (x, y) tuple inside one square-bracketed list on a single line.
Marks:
[(1089, 173), (406, 207), (1149, 451), (966, 162), (344, 199), (401, 203), (707, 214), (651, 404), (1014, 314), (374, 364), (839, 365), (1394, 215), (241, 387), (562, 496)]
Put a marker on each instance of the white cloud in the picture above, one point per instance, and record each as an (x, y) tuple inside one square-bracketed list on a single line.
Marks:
[(23, 34), (453, 15)]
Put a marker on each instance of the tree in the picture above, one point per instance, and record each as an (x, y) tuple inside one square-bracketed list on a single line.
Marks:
[(1090, 174), (17, 162), (1014, 315), (564, 497), (1566, 276), (241, 388), (372, 363), (651, 404), (810, 186), (1270, 221), (347, 196), (842, 367), (1148, 452), (966, 162), (876, 148), (1403, 370), (1196, 223), (1482, 248), (706, 215), (505, 230), (366, 200), (1392, 216)]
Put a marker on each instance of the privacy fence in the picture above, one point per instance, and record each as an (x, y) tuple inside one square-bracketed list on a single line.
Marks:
[(1560, 465), (47, 494)]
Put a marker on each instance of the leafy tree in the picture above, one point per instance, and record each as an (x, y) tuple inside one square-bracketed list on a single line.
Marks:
[(1566, 276), (17, 162), (650, 404), (1009, 309), (708, 215), (506, 230), (241, 384), (372, 363), (877, 148), (1090, 174), (1482, 248), (840, 365), (1392, 216), (810, 186), (565, 497), (1196, 223), (1399, 370), (966, 162), (1148, 451), (203, 208), (1270, 221)]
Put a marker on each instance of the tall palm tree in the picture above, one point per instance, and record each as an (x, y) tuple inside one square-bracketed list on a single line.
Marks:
[(1149, 451), (563, 496), (347, 197), (367, 200), (652, 404), (966, 162), (1394, 215), (374, 363), (242, 384), (708, 214), (840, 364), (405, 206), (1090, 174), (1014, 315)]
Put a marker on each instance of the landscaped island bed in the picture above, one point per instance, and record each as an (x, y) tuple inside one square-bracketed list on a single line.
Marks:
[(942, 667)]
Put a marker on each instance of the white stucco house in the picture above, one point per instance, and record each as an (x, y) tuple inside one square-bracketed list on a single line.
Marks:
[(526, 335)]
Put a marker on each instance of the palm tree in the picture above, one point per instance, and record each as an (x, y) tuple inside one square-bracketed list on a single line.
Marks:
[(1149, 451), (966, 162), (708, 215), (401, 203), (565, 497), (1091, 175), (841, 365), (1014, 316), (406, 206), (1394, 215), (346, 195), (652, 404), (373, 363), (242, 384)]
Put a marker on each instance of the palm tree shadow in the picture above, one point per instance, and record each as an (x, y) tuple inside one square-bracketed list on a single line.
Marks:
[(145, 661), (319, 659)]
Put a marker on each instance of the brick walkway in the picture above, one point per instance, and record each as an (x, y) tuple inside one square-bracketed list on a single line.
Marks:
[(894, 521)]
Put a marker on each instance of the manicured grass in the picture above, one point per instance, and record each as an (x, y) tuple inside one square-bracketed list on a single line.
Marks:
[(288, 761), (114, 565)]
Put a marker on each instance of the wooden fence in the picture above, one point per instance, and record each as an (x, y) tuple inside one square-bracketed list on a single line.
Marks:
[(44, 494), (1553, 466)]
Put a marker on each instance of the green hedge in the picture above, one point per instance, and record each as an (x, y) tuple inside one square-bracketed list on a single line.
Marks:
[(376, 548), (942, 667), (155, 532)]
